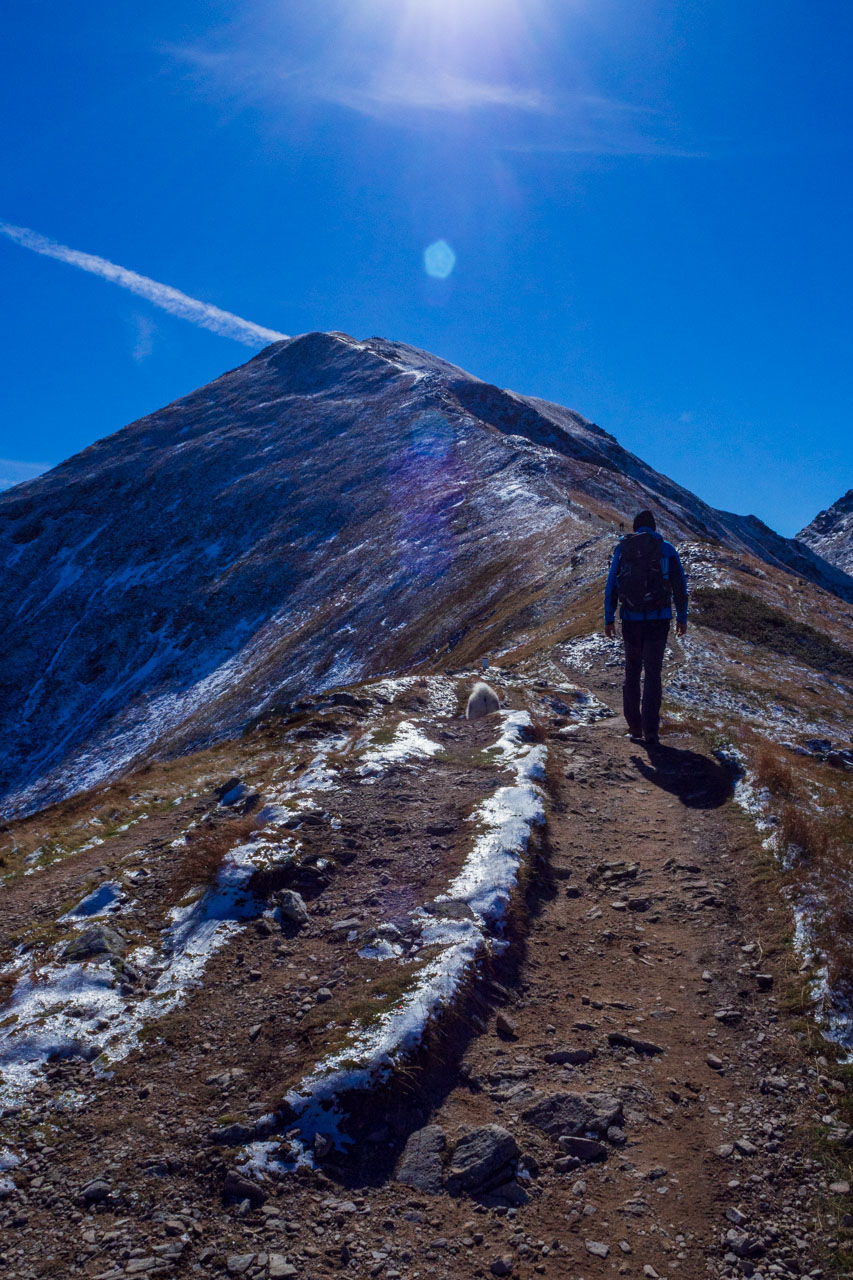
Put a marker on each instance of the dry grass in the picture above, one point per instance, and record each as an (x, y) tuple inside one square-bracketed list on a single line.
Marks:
[(773, 769), (198, 861)]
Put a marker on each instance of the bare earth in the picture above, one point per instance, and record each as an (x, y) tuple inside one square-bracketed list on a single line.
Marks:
[(649, 943)]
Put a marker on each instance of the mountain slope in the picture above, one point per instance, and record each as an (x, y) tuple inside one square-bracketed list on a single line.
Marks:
[(830, 534), (328, 511)]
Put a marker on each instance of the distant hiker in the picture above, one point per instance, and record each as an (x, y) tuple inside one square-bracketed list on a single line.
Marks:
[(622, 526), (483, 701), (645, 575)]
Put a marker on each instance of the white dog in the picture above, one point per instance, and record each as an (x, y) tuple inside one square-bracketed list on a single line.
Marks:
[(483, 701)]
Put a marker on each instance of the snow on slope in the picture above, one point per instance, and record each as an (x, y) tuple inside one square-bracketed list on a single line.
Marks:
[(330, 511), (830, 534)]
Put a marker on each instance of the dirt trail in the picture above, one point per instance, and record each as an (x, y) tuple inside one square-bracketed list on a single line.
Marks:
[(643, 988)]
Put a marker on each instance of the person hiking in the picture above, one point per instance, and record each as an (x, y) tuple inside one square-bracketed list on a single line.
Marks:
[(645, 576)]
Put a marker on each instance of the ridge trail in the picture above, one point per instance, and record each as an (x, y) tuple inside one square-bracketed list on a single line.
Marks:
[(633, 1051)]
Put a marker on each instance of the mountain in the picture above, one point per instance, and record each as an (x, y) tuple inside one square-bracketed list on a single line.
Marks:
[(331, 510), (303, 972), (830, 534)]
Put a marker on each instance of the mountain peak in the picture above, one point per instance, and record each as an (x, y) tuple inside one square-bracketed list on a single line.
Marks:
[(830, 534)]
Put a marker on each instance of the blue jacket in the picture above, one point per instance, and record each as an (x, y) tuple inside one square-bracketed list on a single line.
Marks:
[(672, 570)]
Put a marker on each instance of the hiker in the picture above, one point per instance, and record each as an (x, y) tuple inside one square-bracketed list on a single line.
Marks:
[(645, 575)]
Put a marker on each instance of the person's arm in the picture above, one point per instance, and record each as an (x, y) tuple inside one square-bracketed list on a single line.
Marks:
[(679, 591), (611, 595)]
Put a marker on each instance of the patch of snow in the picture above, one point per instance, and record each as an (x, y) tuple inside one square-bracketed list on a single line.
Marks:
[(381, 949), (105, 898), (408, 743), (485, 883)]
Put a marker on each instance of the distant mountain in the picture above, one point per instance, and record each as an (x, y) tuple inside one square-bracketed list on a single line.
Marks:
[(830, 534), (331, 510)]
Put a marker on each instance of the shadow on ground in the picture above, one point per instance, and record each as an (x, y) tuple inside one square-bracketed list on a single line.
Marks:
[(698, 781)]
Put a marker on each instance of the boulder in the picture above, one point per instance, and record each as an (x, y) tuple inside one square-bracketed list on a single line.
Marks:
[(483, 1159), (573, 1113), (293, 907), (100, 940), (421, 1162)]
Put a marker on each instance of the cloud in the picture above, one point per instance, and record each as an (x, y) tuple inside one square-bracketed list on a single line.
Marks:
[(441, 91), (13, 472), (144, 329), (162, 295)]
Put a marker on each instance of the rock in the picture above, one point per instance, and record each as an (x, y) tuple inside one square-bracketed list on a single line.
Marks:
[(238, 1187), (764, 981), (569, 1057), (621, 1040), (743, 1245), (280, 1268), (420, 1165), (585, 1149), (232, 1135), (616, 1136), (502, 1266), (293, 907), (726, 1150), (639, 904), (483, 1158), (232, 792), (139, 1266), (95, 1192), (736, 1218), (745, 1147), (729, 1017), (715, 1063), (506, 1027), (597, 1248), (323, 1145), (572, 891), (322, 994), (100, 940), (649, 1272), (237, 1264), (567, 1164), (573, 1113), (839, 1188)]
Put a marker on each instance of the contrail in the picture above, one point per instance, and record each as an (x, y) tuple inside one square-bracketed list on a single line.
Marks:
[(162, 295)]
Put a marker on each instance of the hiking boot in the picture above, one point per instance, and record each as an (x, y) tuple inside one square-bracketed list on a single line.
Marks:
[(635, 734), (652, 741)]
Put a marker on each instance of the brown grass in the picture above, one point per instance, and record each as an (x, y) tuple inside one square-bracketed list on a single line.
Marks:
[(773, 769), (199, 860)]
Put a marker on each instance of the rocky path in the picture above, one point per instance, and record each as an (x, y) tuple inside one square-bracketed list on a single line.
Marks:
[(623, 1094)]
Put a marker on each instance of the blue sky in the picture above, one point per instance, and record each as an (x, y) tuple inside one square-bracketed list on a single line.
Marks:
[(649, 207)]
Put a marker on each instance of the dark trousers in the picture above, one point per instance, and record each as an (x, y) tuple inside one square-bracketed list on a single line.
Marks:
[(645, 645)]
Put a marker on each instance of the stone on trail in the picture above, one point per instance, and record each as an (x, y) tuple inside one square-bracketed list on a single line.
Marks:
[(232, 1135), (483, 1158), (573, 1113), (421, 1164), (569, 1057), (95, 1192), (715, 1063), (293, 906), (586, 1149), (239, 1187), (505, 1027), (502, 1266), (621, 1040), (597, 1248), (237, 1264), (280, 1268)]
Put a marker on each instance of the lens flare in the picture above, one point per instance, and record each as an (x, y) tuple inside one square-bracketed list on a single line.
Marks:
[(439, 260)]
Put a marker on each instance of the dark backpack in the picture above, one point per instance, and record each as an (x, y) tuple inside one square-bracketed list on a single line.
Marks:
[(642, 585)]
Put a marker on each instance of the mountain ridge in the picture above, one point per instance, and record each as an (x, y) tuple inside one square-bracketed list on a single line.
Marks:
[(330, 510)]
